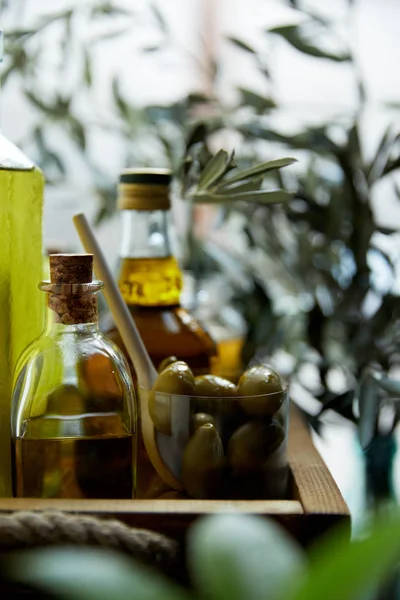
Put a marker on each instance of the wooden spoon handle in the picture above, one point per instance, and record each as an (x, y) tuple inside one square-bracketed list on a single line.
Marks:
[(130, 335), (138, 354)]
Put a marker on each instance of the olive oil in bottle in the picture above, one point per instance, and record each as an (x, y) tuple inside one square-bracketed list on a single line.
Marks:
[(73, 467), (150, 281), (73, 436)]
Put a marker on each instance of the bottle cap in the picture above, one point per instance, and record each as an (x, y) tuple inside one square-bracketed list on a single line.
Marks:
[(71, 268), (144, 189)]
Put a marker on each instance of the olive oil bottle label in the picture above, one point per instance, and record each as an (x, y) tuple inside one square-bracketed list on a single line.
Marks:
[(151, 281)]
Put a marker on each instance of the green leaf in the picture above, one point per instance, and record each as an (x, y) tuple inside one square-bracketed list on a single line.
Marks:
[(256, 101), (312, 139), (87, 69), (47, 157), (387, 230), (175, 112), (294, 35), (264, 70), (213, 69), (67, 36), (392, 104), (362, 92), (257, 197), (197, 134), (37, 102), (122, 106), (203, 156), (51, 18), (389, 385), (354, 141), (380, 159), (101, 215), (16, 34), (78, 132), (340, 403), (110, 34), (242, 45), (107, 8), (11, 70), (241, 557), (86, 574), (248, 186), (150, 49), (368, 398), (214, 169), (339, 570), (260, 169), (168, 147), (391, 165), (58, 110), (197, 98), (161, 22)]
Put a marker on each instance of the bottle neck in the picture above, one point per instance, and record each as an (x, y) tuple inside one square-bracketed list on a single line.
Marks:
[(71, 313), (145, 234), (149, 273), (53, 328)]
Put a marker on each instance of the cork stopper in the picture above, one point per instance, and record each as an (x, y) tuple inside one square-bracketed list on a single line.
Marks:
[(71, 268), (71, 296)]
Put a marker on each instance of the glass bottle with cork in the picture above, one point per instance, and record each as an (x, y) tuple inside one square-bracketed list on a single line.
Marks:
[(150, 282), (73, 434)]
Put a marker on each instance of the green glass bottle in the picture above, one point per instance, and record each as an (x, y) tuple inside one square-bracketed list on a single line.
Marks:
[(21, 305)]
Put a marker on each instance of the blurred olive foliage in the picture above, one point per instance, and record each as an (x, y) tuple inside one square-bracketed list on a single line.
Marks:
[(329, 241), (312, 289), (231, 556)]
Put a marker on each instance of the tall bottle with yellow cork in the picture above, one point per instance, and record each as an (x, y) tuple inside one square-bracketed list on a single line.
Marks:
[(21, 201), (150, 281)]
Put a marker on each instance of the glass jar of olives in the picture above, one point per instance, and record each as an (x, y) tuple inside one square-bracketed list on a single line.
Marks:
[(216, 439)]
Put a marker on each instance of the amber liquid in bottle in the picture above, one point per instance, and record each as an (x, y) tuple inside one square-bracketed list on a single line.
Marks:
[(151, 288), (93, 467)]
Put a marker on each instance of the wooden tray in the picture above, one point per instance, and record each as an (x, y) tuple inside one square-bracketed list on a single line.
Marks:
[(315, 505)]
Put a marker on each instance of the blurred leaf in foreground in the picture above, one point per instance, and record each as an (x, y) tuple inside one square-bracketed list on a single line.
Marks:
[(85, 574)]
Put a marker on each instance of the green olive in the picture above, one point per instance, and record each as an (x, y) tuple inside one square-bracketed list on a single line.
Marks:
[(176, 378), (251, 444), (214, 386), (160, 411), (214, 395), (166, 362), (200, 419), (203, 462), (260, 381)]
